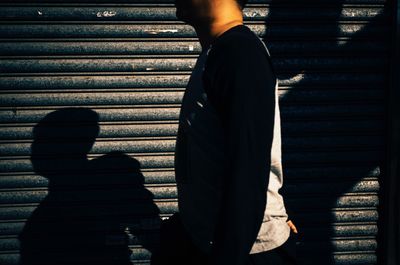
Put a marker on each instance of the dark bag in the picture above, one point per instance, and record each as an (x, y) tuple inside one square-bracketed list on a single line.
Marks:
[(176, 246)]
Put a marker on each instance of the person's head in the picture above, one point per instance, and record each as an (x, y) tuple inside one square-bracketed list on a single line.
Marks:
[(62, 139), (200, 11)]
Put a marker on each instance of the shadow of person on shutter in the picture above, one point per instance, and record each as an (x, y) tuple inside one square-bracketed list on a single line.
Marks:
[(95, 208), (331, 122)]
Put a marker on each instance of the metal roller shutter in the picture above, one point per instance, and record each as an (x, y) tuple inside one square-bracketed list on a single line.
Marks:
[(125, 65)]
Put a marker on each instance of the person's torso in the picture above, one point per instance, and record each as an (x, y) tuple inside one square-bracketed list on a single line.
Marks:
[(200, 165)]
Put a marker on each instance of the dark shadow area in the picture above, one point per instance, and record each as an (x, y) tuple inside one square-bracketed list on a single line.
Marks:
[(94, 208), (330, 142)]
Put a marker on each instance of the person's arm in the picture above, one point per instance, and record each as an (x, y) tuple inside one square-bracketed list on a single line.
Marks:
[(241, 86)]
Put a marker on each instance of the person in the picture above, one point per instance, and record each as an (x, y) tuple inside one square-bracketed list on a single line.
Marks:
[(228, 149)]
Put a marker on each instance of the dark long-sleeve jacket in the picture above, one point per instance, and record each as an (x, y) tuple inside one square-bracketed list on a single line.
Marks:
[(223, 149)]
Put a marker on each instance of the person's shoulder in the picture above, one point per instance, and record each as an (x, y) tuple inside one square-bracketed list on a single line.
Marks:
[(237, 47), (237, 42)]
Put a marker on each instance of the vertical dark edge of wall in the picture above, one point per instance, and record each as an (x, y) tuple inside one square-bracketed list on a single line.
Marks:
[(390, 233)]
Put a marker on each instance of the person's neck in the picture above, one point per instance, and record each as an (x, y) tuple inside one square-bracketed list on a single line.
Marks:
[(221, 20)]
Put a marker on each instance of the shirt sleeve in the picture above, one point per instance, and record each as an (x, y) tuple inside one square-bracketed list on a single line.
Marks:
[(240, 84)]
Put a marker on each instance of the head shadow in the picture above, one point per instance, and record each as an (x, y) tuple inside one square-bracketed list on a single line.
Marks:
[(96, 208)]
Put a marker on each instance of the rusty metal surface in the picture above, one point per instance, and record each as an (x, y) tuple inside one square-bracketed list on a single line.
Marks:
[(167, 13), (132, 65), (165, 160), (148, 129), (168, 30), (129, 62), (158, 47)]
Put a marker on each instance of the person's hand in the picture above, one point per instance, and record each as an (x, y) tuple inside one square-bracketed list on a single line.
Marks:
[(292, 226)]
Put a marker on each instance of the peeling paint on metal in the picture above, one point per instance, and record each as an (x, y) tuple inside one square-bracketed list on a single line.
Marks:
[(155, 32), (106, 13), (253, 14)]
